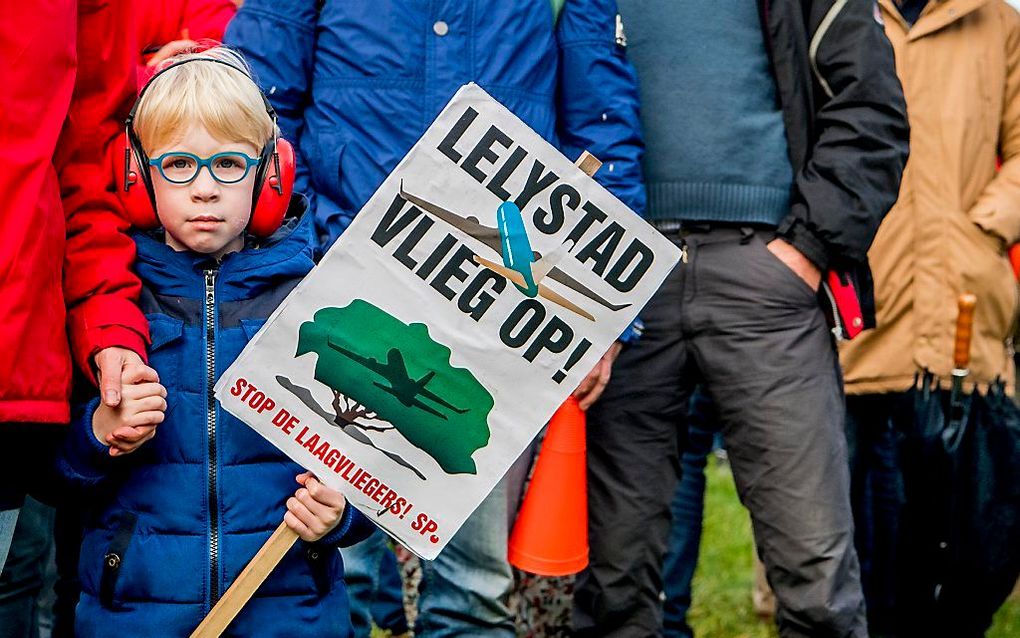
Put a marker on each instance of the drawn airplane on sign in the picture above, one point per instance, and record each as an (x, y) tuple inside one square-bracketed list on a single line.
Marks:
[(401, 385), (524, 267)]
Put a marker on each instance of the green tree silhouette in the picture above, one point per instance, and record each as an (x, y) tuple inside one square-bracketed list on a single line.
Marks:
[(395, 371)]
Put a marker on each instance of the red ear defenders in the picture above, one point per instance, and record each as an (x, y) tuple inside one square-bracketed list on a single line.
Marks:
[(274, 175)]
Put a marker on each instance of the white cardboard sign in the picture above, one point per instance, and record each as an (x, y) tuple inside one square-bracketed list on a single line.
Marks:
[(477, 287)]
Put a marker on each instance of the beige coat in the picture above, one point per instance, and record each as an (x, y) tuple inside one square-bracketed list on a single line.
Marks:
[(960, 68)]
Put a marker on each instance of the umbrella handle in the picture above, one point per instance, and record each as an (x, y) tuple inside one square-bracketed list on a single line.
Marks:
[(964, 329)]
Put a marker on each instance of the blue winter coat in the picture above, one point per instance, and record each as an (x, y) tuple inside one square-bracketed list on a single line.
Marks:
[(357, 83), (170, 526)]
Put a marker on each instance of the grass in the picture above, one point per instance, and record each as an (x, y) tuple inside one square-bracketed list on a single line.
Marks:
[(722, 584)]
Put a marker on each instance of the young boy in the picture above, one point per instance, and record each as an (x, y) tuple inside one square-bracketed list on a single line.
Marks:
[(175, 515)]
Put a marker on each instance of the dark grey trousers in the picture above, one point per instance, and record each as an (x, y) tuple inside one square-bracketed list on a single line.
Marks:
[(741, 322)]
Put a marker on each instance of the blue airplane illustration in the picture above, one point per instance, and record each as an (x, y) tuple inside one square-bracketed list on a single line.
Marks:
[(516, 248), (522, 266)]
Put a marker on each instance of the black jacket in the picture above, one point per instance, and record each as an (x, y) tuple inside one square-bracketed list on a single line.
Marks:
[(846, 125)]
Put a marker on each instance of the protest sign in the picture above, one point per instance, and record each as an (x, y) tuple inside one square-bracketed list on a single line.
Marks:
[(477, 287)]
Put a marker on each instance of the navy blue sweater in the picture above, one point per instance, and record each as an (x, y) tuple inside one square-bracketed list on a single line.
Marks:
[(716, 143)]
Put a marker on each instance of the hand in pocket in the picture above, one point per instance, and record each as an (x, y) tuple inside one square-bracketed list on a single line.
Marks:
[(796, 261)]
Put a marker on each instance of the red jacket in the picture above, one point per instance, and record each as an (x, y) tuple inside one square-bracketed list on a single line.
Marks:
[(69, 81)]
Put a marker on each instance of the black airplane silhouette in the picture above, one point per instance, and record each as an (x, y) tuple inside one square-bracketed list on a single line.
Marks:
[(401, 385)]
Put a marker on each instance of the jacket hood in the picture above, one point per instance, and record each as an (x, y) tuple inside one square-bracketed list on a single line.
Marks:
[(937, 17), (288, 253)]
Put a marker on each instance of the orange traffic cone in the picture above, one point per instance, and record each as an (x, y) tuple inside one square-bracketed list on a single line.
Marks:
[(550, 537)]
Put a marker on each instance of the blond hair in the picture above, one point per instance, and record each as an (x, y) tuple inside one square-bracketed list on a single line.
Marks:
[(223, 99)]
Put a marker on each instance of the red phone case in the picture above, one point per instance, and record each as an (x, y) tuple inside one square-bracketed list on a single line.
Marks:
[(845, 304)]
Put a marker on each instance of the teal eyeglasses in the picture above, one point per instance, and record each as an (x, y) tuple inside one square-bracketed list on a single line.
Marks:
[(178, 167)]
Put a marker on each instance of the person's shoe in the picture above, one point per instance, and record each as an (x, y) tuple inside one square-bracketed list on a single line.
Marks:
[(721, 456), (762, 597)]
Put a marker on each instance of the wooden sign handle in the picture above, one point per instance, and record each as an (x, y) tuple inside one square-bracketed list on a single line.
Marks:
[(588, 163), (964, 329), (249, 580)]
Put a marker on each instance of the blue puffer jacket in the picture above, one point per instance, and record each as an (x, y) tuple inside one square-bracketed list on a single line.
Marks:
[(171, 525), (357, 82)]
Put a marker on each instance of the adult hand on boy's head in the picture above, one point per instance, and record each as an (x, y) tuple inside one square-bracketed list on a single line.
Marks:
[(112, 364), (315, 510), (133, 421), (170, 49)]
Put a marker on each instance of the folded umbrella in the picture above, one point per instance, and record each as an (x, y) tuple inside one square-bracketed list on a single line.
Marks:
[(958, 555)]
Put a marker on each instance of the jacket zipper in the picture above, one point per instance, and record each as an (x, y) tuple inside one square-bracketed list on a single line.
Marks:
[(210, 383), (816, 41), (837, 327)]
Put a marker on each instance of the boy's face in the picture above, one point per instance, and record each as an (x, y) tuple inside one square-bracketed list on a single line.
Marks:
[(204, 215)]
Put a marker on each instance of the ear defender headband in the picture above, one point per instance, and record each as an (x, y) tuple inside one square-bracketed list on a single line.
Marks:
[(274, 174)]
